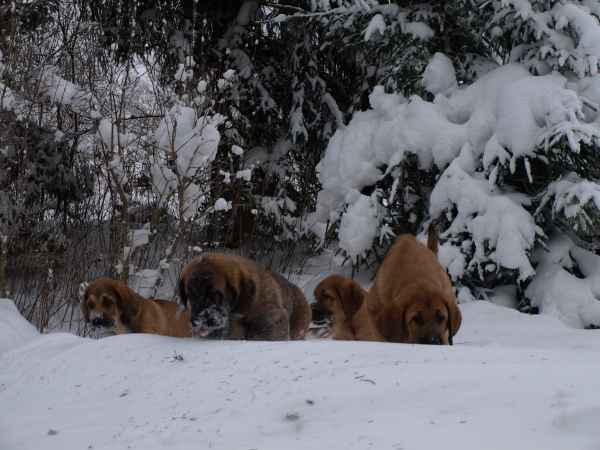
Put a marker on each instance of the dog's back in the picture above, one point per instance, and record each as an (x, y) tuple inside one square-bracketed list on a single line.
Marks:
[(406, 262), (410, 269), (296, 306), (170, 323)]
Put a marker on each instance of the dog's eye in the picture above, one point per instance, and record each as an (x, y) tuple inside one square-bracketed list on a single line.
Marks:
[(107, 302), (91, 304), (325, 296), (417, 319), (440, 318)]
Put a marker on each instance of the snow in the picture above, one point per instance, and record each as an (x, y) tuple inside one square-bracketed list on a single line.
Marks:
[(377, 24), (245, 174), (494, 220), (15, 330), (110, 136), (439, 76), (570, 196), (473, 134), (572, 299), (59, 90), (360, 224), (193, 140), (137, 238), (510, 381), (222, 205)]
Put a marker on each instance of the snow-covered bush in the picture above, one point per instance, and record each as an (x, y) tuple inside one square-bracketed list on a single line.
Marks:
[(497, 153), (136, 133)]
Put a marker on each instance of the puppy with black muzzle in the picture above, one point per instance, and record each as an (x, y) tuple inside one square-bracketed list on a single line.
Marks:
[(231, 297), (111, 307), (339, 298)]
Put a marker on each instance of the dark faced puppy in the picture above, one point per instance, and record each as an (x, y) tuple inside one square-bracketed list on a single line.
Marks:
[(111, 307), (231, 297), (338, 298)]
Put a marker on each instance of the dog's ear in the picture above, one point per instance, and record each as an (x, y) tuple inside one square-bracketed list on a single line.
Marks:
[(84, 308), (244, 290), (454, 320), (390, 323), (352, 298), (182, 293), (128, 301), (432, 239)]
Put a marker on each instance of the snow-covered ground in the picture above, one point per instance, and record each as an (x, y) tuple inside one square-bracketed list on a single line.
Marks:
[(510, 381)]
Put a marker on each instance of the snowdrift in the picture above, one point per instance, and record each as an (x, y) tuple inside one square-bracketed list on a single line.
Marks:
[(510, 381)]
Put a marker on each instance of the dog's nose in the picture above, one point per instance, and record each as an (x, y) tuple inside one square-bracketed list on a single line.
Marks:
[(431, 340), (97, 321)]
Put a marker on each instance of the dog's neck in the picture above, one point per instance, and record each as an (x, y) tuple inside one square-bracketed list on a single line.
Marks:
[(359, 327), (122, 328), (366, 331), (132, 319)]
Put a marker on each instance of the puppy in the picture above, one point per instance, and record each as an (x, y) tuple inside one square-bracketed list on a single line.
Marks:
[(231, 297), (339, 298), (412, 300), (111, 307)]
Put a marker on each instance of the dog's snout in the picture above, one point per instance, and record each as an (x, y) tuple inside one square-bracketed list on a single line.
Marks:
[(320, 314), (431, 340)]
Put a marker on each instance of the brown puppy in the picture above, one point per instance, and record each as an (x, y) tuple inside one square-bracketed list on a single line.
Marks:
[(111, 307), (231, 297), (341, 298), (412, 300)]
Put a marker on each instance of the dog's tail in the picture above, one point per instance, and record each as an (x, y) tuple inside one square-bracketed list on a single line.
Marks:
[(432, 240)]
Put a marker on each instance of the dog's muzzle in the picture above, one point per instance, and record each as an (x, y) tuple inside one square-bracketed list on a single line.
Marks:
[(99, 323), (320, 314), (431, 340), (210, 319)]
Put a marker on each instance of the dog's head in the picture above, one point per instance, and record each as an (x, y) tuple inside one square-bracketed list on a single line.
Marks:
[(336, 297), (108, 306), (216, 293), (422, 316)]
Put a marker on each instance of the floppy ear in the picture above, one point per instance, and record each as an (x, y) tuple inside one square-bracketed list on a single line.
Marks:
[(128, 301), (351, 298), (454, 321), (182, 294), (243, 289), (432, 239), (84, 308), (390, 323)]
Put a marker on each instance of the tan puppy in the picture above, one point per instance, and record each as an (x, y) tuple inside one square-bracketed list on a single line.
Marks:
[(231, 297), (340, 298), (412, 300), (111, 307)]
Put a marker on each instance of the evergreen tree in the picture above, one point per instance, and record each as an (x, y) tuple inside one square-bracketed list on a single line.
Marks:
[(495, 136)]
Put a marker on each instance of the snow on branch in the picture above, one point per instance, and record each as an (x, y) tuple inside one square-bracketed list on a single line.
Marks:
[(567, 284), (504, 126), (576, 199), (567, 33)]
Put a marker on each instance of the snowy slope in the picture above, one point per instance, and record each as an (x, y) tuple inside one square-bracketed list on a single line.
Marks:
[(511, 381)]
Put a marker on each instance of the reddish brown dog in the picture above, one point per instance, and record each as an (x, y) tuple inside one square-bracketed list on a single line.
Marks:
[(412, 300), (340, 298), (231, 297), (111, 307)]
